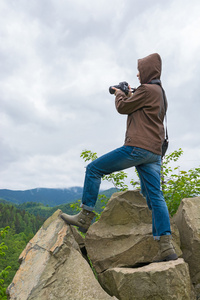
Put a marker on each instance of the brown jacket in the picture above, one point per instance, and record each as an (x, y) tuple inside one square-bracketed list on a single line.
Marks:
[(145, 108)]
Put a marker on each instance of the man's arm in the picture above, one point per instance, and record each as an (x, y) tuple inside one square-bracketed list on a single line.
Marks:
[(127, 105)]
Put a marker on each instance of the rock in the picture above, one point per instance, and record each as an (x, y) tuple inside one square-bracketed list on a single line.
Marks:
[(165, 280), (52, 267), (123, 234), (187, 220), (120, 245)]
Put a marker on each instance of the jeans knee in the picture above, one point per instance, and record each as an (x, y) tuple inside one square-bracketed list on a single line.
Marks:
[(91, 169)]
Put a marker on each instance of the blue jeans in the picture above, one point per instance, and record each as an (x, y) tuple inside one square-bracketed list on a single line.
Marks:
[(148, 166)]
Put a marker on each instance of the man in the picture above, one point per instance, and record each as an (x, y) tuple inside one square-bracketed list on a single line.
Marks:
[(142, 148)]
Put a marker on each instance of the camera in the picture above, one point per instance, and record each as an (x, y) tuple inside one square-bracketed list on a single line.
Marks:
[(123, 86)]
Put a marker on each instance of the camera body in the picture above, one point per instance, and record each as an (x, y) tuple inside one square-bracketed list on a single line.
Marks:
[(123, 86)]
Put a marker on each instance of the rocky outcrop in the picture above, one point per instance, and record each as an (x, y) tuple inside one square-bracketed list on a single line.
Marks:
[(52, 267), (187, 220), (123, 234), (166, 281)]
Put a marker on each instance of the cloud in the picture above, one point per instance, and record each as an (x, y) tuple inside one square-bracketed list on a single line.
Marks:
[(58, 59)]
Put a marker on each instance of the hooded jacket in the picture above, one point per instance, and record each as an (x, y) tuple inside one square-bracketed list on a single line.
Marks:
[(145, 108)]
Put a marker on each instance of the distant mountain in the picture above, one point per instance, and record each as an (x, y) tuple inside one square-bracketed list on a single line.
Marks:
[(47, 196)]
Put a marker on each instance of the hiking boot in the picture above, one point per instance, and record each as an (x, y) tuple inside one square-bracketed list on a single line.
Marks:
[(167, 251), (82, 220)]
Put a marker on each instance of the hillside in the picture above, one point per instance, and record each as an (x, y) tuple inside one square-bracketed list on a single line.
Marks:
[(46, 196)]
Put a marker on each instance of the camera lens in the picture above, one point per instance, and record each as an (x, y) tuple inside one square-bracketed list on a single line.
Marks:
[(111, 90)]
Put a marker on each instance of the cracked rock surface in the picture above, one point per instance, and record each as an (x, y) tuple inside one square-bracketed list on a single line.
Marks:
[(164, 280), (52, 267)]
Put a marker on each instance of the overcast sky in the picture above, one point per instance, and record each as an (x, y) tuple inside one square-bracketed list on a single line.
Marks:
[(57, 61)]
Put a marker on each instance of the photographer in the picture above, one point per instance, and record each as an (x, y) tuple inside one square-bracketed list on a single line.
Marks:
[(145, 110)]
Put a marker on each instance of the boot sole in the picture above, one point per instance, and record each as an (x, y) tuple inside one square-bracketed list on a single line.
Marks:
[(82, 229), (167, 258), (171, 257)]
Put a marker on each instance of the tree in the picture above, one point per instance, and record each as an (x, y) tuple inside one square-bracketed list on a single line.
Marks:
[(4, 272), (178, 184), (15, 244)]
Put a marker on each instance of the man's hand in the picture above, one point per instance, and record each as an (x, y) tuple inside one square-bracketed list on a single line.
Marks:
[(130, 91), (116, 90)]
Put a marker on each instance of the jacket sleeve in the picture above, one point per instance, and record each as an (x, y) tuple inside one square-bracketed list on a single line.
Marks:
[(125, 105)]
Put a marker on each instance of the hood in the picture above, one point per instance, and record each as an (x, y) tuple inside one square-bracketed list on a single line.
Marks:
[(150, 67)]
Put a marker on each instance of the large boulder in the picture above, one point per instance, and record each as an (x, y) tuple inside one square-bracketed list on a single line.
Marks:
[(123, 234), (52, 267), (166, 281), (187, 220)]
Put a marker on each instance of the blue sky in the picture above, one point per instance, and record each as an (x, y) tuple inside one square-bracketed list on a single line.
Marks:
[(58, 59)]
